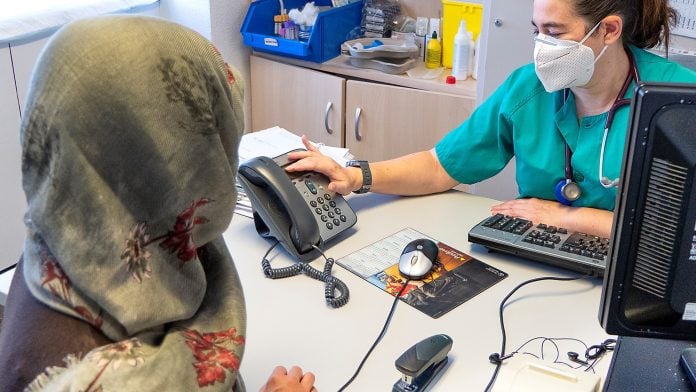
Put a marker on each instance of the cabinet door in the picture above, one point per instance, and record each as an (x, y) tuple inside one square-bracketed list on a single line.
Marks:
[(384, 122), (300, 100), (13, 203)]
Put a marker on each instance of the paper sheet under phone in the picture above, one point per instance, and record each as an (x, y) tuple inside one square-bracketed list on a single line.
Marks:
[(456, 278)]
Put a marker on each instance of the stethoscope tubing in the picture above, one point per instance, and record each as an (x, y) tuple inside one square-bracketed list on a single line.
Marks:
[(619, 102)]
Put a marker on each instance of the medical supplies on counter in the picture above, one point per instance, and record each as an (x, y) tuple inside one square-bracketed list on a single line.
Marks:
[(389, 55)]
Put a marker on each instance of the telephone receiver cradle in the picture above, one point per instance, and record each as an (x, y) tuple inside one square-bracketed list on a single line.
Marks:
[(295, 208)]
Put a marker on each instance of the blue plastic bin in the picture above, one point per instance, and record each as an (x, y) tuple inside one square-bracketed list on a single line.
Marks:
[(329, 32)]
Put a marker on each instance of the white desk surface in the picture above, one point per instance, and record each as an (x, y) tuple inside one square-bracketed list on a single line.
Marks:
[(289, 322)]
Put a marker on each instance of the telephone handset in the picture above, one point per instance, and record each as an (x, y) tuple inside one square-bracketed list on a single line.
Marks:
[(295, 208)]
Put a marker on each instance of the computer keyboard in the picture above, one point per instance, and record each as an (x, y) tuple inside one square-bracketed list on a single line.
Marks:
[(549, 244)]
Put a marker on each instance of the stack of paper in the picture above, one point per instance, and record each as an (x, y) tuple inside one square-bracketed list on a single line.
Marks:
[(276, 141), (271, 143)]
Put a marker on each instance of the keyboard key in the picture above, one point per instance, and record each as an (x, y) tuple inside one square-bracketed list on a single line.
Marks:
[(502, 222), (510, 226), (493, 220)]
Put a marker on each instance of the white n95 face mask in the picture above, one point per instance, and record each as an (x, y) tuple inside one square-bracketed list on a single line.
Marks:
[(563, 63)]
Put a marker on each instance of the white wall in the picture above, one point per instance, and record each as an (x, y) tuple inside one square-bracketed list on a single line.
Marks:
[(194, 14), (226, 20), (12, 204), (219, 21)]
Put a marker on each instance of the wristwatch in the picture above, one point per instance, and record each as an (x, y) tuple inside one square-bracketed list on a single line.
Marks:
[(366, 175)]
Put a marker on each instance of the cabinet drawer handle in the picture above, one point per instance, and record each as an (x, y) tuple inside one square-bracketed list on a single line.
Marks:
[(326, 118), (358, 111)]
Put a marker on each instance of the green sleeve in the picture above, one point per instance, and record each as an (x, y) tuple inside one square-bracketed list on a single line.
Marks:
[(481, 146)]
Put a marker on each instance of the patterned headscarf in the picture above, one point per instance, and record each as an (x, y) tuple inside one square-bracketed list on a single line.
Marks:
[(129, 144)]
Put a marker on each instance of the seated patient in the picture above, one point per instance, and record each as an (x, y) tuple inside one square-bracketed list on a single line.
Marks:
[(129, 154)]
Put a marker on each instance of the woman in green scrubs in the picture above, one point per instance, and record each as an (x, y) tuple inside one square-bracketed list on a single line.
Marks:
[(588, 55)]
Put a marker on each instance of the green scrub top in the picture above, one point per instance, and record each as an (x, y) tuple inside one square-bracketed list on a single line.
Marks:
[(521, 119)]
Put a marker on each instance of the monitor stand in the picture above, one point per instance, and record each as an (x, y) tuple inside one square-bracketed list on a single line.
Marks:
[(649, 365)]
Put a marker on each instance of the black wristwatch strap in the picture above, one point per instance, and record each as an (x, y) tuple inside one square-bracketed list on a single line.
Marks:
[(366, 175)]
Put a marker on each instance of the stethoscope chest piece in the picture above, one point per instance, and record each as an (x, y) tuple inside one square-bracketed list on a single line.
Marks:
[(567, 191)]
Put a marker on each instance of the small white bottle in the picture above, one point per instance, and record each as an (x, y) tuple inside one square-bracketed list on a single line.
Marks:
[(461, 52)]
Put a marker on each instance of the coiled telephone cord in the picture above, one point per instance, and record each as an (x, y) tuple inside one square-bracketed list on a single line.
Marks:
[(332, 286)]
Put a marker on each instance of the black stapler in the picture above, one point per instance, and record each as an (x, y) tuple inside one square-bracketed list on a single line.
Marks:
[(421, 363)]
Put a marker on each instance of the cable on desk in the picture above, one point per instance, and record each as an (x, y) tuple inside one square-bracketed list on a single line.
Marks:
[(379, 337), (333, 284), (554, 342), (498, 358)]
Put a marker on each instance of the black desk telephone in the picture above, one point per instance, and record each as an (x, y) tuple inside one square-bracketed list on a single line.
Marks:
[(295, 208)]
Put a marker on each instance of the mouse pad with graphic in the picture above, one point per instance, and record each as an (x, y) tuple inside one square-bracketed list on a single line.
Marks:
[(455, 278)]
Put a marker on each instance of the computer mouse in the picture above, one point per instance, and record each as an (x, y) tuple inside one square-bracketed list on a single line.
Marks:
[(418, 258)]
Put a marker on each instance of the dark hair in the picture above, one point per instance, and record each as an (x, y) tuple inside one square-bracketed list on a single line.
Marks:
[(646, 23)]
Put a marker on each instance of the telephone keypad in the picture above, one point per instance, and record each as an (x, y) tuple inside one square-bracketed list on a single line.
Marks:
[(333, 214)]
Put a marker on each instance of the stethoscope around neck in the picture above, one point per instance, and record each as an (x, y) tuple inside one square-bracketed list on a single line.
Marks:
[(567, 190)]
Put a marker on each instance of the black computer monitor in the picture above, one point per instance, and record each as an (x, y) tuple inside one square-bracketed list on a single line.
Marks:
[(650, 280)]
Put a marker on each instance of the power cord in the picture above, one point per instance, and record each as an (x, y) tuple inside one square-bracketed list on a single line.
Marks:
[(379, 338), (498, 358), (332, 284)]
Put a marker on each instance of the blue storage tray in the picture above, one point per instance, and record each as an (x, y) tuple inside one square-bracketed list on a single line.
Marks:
[(330, 30)]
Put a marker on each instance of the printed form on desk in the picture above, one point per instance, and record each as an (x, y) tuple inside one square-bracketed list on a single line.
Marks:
[(271, 143), (275, 141)]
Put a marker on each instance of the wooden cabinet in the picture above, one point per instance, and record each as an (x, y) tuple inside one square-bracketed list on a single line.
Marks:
[(303, 101), (375, 115), (384, 122)]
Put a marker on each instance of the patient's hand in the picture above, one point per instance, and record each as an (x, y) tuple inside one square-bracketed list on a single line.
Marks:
[(293, 380)]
